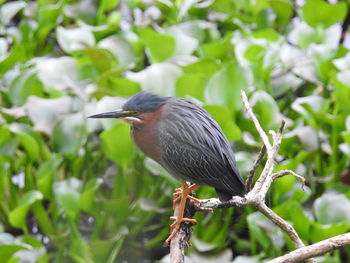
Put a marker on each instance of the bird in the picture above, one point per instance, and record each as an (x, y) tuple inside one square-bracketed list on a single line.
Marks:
[(183, 138)]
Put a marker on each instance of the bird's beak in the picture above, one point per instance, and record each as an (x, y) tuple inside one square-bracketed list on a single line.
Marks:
[(111, 115)]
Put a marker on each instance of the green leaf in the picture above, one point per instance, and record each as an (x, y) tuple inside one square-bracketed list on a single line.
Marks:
[(268, 34), (7, 250), (117, 144), (191, 84), (45, 175), (29, 140), (254, 53), (24, 85), (320, 232), (86, 199), (17, 216), (317, 12), (223, 117), (102, 59), (157, 78), (75, 39), (266, 109), (16, 55), (111, 84), (300, 221), (332, 208), (67, 193), (9, 10), (225, 87), (68, 134), (342, 92), (121, 48), (160, 46), (283, 9)]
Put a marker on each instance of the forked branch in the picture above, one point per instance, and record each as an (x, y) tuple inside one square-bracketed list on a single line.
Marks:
[(256, 198)]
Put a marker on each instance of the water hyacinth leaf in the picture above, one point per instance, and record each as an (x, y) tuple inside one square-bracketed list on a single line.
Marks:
[(68, 134), (225, 86), (160, 46), (254, 53), (44, 113), (117, 144), (218, 49), (102, 59), (316, 12), (45, 175), (157, 78), (75, 39), (187, 36), (342, 92), (306, 106), (320, 232), (5, 134), (224, 119), (86, 200), (7, 251), (283, 9), (23, 86), (121, 48), (17, 216), (191, 84), (112, 84), (207, 67), (9, 10), (67, 194), (30, 141), (300, 221), (107, 5), (14, 56), (332, 208), (58, 73), (266, 109)]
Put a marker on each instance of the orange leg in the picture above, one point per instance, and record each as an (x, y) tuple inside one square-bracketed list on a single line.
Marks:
[(181, 194)]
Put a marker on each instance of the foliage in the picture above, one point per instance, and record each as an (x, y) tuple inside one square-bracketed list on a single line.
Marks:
[(77, 190)]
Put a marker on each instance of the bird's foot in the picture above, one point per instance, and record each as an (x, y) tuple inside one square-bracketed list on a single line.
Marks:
[(174, 227), (180, 192)]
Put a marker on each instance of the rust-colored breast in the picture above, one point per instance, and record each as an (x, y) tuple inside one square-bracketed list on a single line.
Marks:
[(146, 134)]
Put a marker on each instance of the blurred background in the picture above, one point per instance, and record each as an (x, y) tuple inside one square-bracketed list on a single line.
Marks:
[(77, 190)]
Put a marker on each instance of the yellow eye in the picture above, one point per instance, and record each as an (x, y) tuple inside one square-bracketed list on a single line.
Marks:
[(131, 112)]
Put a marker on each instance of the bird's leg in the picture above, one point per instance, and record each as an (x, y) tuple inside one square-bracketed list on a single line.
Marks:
[(182, 194), (178, 193)]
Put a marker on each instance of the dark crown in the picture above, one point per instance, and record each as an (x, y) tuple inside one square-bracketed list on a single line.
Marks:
[(145, 102)]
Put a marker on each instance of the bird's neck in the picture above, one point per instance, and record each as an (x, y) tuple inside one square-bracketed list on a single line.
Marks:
[(146, 134)]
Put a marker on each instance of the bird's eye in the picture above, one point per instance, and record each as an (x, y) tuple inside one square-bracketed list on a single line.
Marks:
[(132, 112)]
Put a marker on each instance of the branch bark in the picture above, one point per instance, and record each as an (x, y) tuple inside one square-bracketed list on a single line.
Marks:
[(256, 198), (314, 250)]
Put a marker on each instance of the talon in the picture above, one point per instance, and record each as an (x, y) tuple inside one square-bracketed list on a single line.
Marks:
[(181, 194)]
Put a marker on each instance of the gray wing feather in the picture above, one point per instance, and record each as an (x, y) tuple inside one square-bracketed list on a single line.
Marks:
[(195, 149)]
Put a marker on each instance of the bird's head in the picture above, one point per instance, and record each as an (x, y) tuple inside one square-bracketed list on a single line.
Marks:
[(135, 108)]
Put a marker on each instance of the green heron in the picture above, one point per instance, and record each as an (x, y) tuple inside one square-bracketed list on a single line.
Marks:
[(183, 138)]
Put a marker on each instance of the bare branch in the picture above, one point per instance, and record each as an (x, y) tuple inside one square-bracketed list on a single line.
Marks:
[(286, 172), (261, 132), (314, 250), (179, 243), (249, 181), (284, 225)]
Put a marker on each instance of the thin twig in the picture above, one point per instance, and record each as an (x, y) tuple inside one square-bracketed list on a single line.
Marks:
[(261, 132), (249, 181), (286, 172), (317, 249), (284, 225)]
